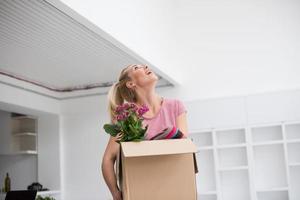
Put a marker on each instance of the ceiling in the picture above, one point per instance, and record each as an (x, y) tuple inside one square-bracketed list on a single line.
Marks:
[(45, 50)]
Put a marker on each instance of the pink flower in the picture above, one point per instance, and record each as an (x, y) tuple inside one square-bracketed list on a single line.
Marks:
[(132, 105), (119, 108), (126, 114), (142, 110), (119, 117), (126, 106)]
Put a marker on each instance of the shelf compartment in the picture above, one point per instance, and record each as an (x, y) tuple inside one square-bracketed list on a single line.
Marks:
[(269, 166), (206, 180), (294, 183), (266, 134), (294, 164), (273, 195), (293, 141), (292, 131), (202, 139), (24, 143), (232, 157), (23, 124), (235, 185), (228, 137), (207, 196), (293, 152)]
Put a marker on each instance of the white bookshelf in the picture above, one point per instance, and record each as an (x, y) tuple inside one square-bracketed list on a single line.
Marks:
[(257, 162), (24, 134)]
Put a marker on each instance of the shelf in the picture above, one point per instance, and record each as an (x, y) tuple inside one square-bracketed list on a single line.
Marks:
[(23, 125), (275, 155), (23, 117), (229, 137), (269, 166), (26, 152), (235, 185), (294, 164), (294, 183), (267, 143), (25, 134), (266, 134), (202, 139), (293, 152), (206, 175), (50, 192), (293, 141), (273, 195), (24, 143), (273, 189), (234, 168), (292, 131), (232, 157), (231, 146)]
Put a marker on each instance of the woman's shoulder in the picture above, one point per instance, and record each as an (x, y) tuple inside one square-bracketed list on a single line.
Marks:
[(172, 101), (175, 105)]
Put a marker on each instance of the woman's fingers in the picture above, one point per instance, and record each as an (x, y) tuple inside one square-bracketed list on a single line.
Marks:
[(119, 136)]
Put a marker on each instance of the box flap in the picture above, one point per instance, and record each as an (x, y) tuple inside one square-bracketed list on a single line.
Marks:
[(158, 147)]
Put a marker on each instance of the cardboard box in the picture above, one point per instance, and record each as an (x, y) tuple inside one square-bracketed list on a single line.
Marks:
[(157, 170)]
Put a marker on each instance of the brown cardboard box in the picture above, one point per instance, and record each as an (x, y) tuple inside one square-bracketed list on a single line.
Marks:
[(157, 170)]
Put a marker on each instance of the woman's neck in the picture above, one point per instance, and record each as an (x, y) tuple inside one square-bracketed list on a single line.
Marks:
[(150, 99)]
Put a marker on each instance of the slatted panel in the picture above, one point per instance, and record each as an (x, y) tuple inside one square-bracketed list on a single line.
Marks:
[(41, 43)]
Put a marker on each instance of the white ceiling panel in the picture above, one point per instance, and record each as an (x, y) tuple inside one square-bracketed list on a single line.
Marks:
[(46, 47)]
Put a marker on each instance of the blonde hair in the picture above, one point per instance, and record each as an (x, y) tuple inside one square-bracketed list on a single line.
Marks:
[(119, 92)]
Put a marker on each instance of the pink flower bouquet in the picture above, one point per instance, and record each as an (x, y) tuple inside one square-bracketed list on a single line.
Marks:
[(129, 119)]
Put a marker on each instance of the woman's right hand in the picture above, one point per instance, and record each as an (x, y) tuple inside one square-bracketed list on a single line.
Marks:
[(118, 137), (117, 195)]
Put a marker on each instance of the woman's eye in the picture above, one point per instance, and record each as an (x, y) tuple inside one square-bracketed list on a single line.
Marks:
[(135, 67)]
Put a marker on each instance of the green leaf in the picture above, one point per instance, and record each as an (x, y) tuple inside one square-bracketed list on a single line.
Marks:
[(133, 130), (112, 129)]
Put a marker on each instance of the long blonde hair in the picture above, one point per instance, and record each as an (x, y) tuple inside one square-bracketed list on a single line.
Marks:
[(119, 92)]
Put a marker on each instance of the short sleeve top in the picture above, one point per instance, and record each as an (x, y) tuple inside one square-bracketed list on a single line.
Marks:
[(166, 117)]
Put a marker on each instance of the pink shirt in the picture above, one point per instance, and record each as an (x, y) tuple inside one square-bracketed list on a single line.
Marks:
[(166, 117)]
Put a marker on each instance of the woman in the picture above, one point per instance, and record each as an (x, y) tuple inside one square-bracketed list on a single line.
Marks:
[(137, 84)]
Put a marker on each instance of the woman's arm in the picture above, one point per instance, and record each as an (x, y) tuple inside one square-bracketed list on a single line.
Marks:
[(108, 161), (181, 124)]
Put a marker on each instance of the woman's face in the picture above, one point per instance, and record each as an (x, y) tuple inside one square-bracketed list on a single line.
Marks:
[(141, 75)]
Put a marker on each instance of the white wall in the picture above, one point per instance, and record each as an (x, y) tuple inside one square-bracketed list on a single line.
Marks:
[(16, 99), (85, 141), (213, 48), (83, 147), (49, 150), (145, 27), (238, 47), (21, 169)]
